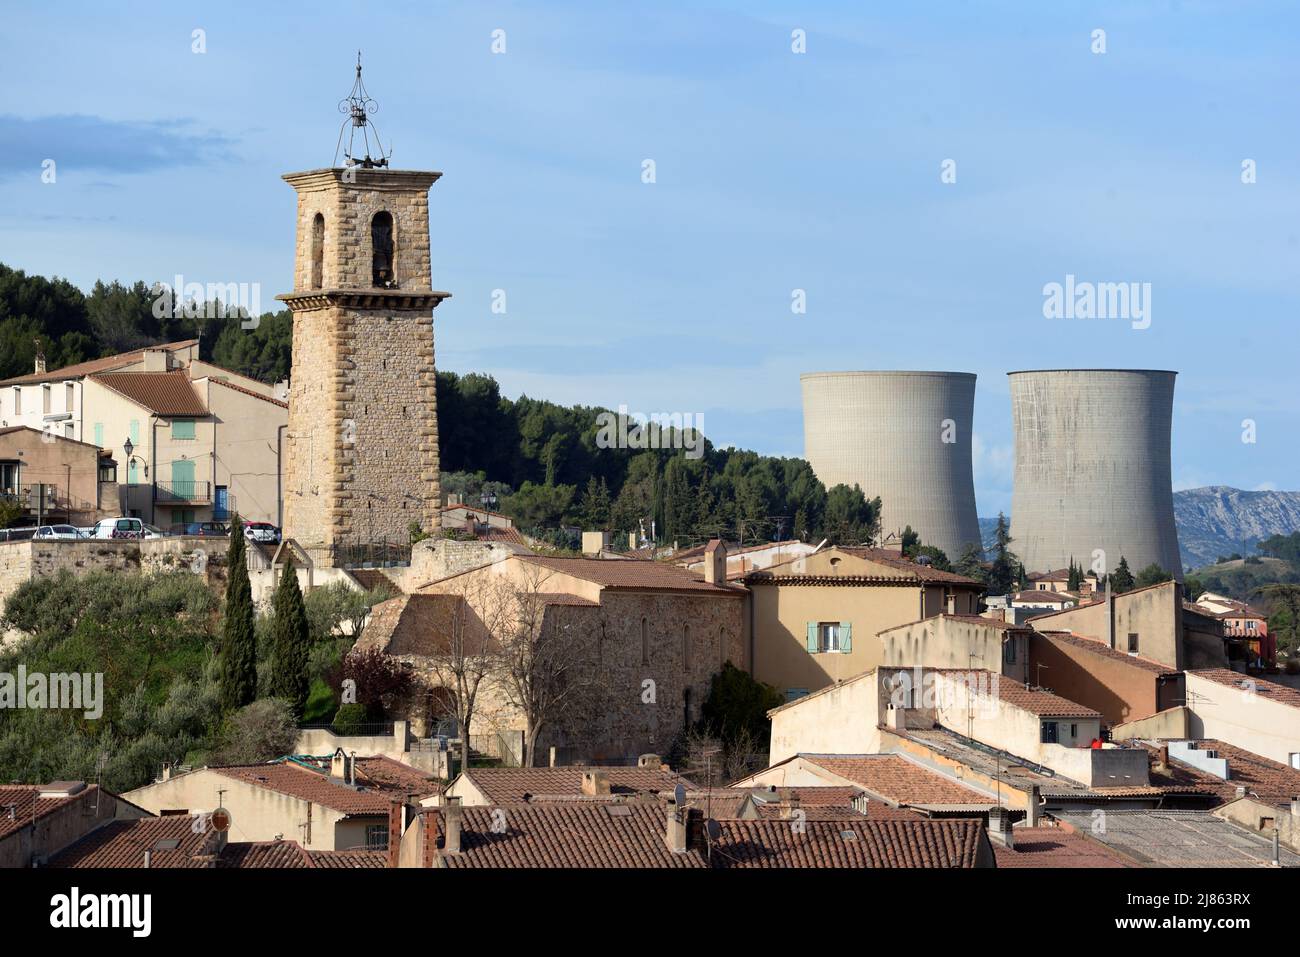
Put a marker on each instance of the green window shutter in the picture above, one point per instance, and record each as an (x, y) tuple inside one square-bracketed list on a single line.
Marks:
[(183, 429), (99, 434), (135, 431), (846, 636), (813, 644)]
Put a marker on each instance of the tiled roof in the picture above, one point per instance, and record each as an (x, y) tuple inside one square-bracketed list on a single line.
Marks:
[(164, 393), (519, 785), (106, 364), (1034, 700), (896, 778), (633, 835), (631, 573), (909, 568), (1097, 647), (418, 624), (1055, 847), (348, 860), (239, 388), (173, 844), (379, 782), (1268, 781), (1251, 684), (1051, 597), (25, 798)]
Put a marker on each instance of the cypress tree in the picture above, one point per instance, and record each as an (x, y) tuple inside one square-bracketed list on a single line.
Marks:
[(238, 672), (290, 643)]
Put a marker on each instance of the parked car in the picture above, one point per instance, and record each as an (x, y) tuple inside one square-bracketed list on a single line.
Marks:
[(16, 534), (64, 533), (200, 529), (263, 532), (124, 528)]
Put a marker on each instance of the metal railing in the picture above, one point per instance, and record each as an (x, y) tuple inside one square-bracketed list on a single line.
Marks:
[(381, 554), (185, 490)]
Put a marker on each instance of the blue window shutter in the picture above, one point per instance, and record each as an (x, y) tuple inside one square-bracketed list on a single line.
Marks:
[(813, 644), (846, 636)]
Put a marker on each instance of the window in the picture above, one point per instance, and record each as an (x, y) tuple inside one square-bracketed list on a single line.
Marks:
[(317, 251), (1132, 642), (1051, 732), (382, 252), (99, 434), (793, 694), (18, 400), (830, 636), (107, 470), (1294, 760), (69, 397), (183, 430), (686, 648), (377, 837), (45, 399), (645, 643), (1009, 651), (1074, 732)]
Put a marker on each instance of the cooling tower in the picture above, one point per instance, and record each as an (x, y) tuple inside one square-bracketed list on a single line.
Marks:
[(1092, 468), (905, 436)]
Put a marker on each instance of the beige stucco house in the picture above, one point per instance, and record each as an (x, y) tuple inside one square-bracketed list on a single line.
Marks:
[(815, 619)]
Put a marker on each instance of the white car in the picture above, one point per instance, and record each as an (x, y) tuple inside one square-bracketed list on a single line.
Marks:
[(124, 528), (65, 533)]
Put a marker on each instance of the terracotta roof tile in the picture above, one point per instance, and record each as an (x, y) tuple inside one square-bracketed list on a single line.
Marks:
[(379, 782), (1098, 647), (632, 574), (1037, 701), (1268, 781), (164, 393), (897, 779), (24, 798), (519, 785), (1055, 847), (106, 364), (1269, 690)]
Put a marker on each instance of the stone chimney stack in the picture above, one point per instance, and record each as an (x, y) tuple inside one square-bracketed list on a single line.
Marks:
[(595, 783), (715, 562), (451, 816), (675, 833), (40, 358), (1295, 807)]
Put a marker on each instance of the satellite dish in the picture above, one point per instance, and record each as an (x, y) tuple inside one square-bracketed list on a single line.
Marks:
[(679, 795), (714, 829), (220, 819)]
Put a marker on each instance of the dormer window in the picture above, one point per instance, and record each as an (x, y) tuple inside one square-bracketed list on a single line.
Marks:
[(381, 243)]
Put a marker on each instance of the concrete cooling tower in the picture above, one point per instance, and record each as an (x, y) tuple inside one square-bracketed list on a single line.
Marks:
[(905, 436), (1093, 468)]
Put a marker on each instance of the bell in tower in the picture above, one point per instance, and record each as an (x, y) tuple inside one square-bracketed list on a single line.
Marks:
[(362, 443)]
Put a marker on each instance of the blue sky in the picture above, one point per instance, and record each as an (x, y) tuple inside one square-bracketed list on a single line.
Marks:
[(775, 171)]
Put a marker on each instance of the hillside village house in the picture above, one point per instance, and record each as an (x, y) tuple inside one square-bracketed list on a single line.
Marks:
[(1122, 686), (189, 441), (1242, 622), (80, 479), (651, 637), (1058, 580), (815, 618)]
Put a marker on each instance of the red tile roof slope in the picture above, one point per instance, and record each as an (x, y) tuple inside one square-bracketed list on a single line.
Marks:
[(1098, 647), (106, 364), (1055, 847), (1269, 690), (1045, 704), (1268, 781), (631, 574), (894, 777), (287, 777), (517, 785), (164, 393), (24, 798)]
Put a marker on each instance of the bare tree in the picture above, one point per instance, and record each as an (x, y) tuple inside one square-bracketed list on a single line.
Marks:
[(547, 657), (470, 654)]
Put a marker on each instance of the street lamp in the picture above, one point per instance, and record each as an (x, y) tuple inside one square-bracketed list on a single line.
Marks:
[(488, 500), (128, 447)]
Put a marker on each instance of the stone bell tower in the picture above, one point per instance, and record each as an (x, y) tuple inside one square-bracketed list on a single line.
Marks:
[(361, 457)]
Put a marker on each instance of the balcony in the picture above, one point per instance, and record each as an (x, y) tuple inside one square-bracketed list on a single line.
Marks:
[(186, 492)]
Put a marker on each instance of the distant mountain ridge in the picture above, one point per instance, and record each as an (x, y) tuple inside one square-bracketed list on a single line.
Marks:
[(1218, 520)]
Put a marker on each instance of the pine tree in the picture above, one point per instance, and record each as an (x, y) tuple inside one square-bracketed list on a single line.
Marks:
[(238, 672), (1122, 580), (290, 643)]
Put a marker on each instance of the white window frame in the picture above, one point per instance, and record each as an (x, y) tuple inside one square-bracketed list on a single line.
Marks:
[(828, 637)]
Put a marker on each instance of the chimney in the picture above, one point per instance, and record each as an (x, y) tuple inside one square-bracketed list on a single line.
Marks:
[(40, 358), (1032, 807), (648, 761), (340, 766), (715, 562), (394, 833), (167, 771), (1000, 827), (675, 834), (1295, 807), (148, 858), (895, 718), (595, 783), (1241, 790), (1162, 760), (451, 818), (1110, 614), (155, 360), (791, 808)]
